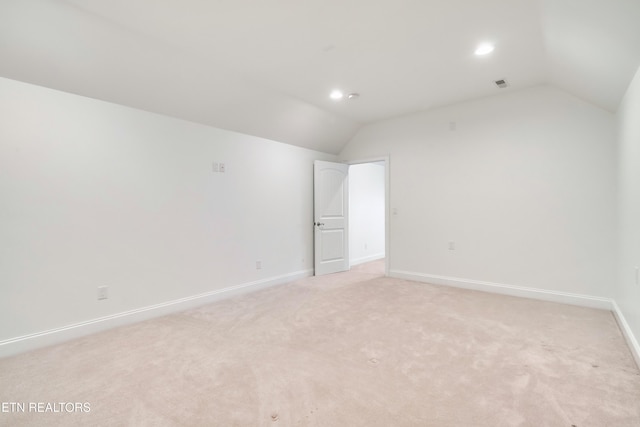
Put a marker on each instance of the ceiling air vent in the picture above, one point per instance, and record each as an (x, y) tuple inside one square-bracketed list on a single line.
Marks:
[(501, 84)]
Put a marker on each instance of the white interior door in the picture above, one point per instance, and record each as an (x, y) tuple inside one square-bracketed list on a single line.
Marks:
[(330, 206)]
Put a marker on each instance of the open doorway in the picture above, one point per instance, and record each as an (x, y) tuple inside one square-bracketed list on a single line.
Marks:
[(342, 202), (368, 212)]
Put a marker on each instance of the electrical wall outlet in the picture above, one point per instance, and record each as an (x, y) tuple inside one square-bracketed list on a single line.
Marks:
[(258, 265), (218, 167), (103, 292), (637, 276), (452, 246)]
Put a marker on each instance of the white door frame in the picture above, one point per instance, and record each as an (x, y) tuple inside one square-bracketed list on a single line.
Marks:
[(387, 204)]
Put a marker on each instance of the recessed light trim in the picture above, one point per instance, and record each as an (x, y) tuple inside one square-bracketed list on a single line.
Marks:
[(336, 95), (484, 49)]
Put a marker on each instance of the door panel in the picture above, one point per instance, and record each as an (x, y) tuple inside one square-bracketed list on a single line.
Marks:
[(331, 206), (332, 244)]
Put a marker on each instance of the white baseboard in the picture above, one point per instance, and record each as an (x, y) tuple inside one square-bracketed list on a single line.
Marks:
[(362, 260), (24, 343), (534, 293), (13, 346), (498, 288), (634, 346)]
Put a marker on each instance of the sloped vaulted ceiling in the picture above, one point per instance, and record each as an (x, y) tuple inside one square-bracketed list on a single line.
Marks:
[(265, 68), (592, 47)]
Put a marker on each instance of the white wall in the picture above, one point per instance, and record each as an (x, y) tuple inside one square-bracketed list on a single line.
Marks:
[(93, 193), (366, 212), (628, 291), (523, 183)]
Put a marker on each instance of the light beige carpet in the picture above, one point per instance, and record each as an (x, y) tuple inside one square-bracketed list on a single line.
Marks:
[(350, 349)]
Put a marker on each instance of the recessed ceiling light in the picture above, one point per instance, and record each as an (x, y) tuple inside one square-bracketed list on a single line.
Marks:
[(484, 48), (336, 95), (353, 95)]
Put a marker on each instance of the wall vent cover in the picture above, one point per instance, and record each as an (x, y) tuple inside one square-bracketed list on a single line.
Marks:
[(502, 83)]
